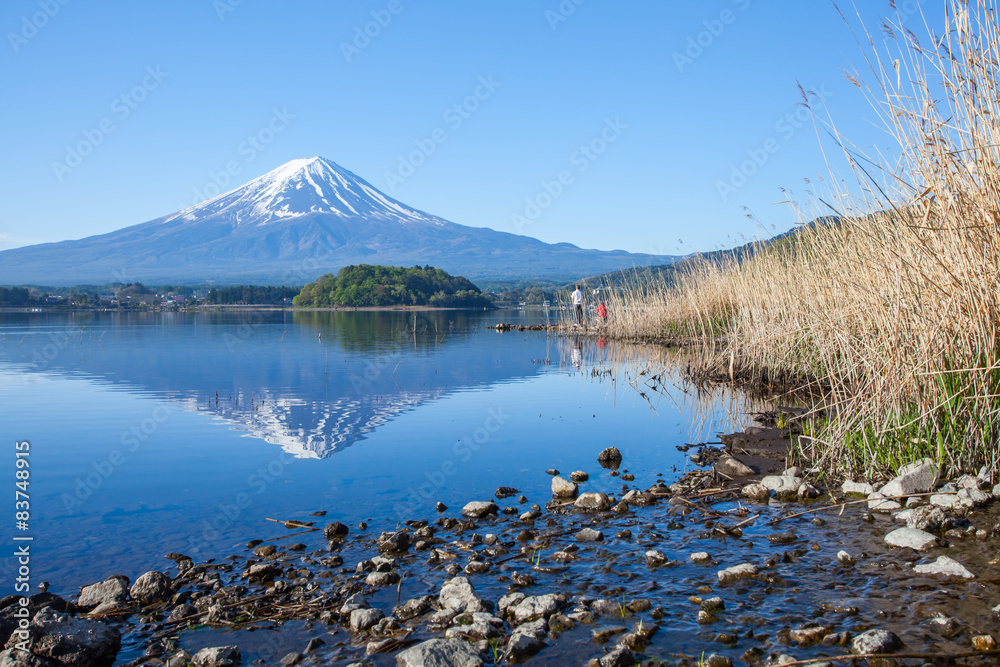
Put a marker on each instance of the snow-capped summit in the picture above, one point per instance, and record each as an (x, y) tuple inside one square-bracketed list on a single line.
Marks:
[(293, 224), (301, 187)]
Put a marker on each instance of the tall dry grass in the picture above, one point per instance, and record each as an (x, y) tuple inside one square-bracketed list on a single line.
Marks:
[(892, 313)]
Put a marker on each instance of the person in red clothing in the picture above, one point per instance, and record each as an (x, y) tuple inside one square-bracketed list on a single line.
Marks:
[(602, 312)]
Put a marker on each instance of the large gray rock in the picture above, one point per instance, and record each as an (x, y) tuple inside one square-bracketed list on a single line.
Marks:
[(562, 488), (478, 509), (459, 595), (508, 601), (590, 535), (598, 502), (877, 502), (70, 640), (782, 485), (14, 657), (917, 477), (857, 488), (927, 518), (483, 626), (365, 619), (218, 656), (533, 608), (876, 641), (522, 645), (151, 587), (733, 467), (946, 567), (946, 500), (394, 542), (617, 657), (440, 653), (110, 591), (912, 538), (756, 491)]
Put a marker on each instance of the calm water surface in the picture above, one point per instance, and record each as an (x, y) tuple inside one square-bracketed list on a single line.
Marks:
[(170, 432)]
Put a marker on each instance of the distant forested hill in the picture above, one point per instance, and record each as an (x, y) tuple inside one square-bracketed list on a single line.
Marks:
[(366, 285)]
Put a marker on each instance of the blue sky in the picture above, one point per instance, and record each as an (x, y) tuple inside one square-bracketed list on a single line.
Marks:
[(605, 124)]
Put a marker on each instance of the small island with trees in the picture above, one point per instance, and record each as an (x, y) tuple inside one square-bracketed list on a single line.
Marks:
[(370, 286)]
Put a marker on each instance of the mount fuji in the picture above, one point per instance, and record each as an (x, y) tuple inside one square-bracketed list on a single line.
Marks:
[(289, 226)]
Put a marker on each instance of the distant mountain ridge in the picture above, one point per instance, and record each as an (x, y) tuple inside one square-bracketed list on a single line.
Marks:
[(305, 218)]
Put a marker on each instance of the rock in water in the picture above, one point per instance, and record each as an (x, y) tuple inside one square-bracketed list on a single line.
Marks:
[(756, 491), (593, 501), (590, 535), (440, 653), (912, 538), (14, 657), (150, 588), (610, 458), (927, 518), (534, 608), (73, 641), (506, 492), (857, 488), (562, 488), (733, 467), (876, 641), (917, 477), (479, 509), (334, 530), (458, 594), (741, 571), (365, 619), (111, 591), (395, 542), (218, 656), (945, 566)]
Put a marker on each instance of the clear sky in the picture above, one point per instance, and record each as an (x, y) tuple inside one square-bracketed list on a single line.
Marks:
[(605, 124)]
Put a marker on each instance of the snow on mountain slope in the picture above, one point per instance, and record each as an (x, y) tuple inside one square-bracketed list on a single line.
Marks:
[(307, 217), (301, 187)]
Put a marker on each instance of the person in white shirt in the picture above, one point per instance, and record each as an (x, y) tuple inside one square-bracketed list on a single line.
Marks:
[(577, 297)]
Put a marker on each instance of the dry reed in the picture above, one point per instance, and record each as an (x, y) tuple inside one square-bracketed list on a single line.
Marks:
[(891, 311)]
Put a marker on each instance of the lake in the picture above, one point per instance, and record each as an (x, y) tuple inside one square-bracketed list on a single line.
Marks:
[(183, 432)]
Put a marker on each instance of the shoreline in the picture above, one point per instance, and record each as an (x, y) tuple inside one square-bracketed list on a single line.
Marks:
[(712, 565)]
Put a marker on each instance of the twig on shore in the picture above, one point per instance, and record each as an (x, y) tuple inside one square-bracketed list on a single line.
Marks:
[(745, 521), (857, 502), (292, 524), (865, 656), (285, 537)]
